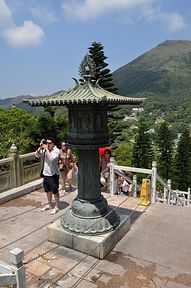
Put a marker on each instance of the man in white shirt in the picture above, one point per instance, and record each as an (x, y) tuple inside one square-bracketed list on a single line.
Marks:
[(50, 172)]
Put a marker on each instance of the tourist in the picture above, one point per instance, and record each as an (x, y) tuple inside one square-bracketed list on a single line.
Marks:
[(67, 165), (158, 194), (126, 187), (131, 183), (50, 172), (105, 170), (104, 164)]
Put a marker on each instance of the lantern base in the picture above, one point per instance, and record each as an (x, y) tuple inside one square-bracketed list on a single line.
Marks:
[(98, 245), (90, 226), (90, 217)]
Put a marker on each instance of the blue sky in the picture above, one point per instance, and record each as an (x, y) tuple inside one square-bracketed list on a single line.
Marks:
[(42, 42)]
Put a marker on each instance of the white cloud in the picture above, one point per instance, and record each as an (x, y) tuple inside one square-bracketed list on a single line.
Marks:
[(29, 34), (88, 9), (5, 16), (43, 12), (150, 13), (173, 21)]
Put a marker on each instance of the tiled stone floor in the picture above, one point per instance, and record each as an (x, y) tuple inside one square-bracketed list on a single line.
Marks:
[(155, 253)]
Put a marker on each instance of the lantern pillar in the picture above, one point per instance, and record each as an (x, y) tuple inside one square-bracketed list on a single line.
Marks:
[(90, 214)]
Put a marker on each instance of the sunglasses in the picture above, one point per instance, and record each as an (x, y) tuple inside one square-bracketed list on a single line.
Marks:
[(49, 142)]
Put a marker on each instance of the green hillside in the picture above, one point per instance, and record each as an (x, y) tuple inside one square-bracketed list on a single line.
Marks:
[(18, 102), (163, 70), (162, 75)]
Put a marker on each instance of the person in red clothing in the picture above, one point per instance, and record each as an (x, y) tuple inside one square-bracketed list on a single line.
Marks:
[(104, 161), (105, 169), (102, 150)]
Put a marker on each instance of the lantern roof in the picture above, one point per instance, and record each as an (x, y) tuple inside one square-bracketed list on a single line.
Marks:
[(86, 93)]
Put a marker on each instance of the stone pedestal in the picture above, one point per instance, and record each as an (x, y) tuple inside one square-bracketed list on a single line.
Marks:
[(98, 246)]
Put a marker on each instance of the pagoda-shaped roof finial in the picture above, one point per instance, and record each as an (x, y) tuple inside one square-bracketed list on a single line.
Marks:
[(87, 67)]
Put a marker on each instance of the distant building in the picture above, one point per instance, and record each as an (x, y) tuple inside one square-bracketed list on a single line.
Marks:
[(126, 118), (136, 111), (177, 139), (159, 120), (151, 131), (133, 127)]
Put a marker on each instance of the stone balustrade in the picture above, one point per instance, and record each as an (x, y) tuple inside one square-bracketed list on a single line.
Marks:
[(18, 169)]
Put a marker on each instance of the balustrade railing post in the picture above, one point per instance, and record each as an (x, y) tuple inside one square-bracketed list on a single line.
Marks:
[(135, 186), (18, 171), (169, 194), (13, 155), (188, 198), (165, 195), (153, 182), (17, 256), (112, 175)]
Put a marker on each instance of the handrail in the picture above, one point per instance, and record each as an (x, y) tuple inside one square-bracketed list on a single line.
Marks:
[(133, 169), (5, 160), (117, 169), (121, 173), (27, 155), (170, 190), (18, 170)]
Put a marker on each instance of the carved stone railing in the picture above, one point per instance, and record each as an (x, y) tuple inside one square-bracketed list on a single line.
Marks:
[(18, 169), (7, 180), (169, 196)]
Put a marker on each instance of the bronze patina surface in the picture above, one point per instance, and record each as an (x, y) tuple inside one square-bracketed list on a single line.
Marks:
[(87, 105)]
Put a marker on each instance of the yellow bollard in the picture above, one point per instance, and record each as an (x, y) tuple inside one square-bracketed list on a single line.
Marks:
[(145, 193)]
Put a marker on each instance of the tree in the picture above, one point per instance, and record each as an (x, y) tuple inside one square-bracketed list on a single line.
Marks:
[(51, 110), (47, 126), (116, 125), (61, 127), (15, 127), (123, 153), (26, 131), (101, 72), (183, 161), (165, 149), (143, 154)]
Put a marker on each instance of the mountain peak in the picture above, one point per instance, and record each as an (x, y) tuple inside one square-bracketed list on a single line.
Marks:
[(165, 69), (174, 42)]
